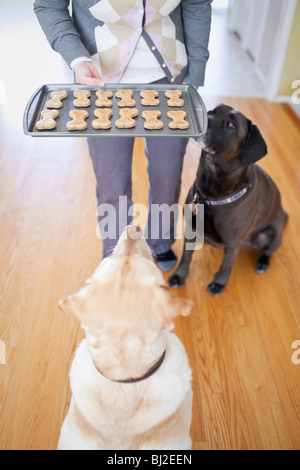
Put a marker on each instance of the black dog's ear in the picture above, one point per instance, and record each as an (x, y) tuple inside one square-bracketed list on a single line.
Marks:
[(254, 147)]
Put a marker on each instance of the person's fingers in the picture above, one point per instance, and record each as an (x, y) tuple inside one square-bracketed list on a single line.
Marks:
[(87, 74), (86, 80), (94, 71)]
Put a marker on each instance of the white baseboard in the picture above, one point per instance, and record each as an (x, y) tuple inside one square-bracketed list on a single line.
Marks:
[(283, 99)]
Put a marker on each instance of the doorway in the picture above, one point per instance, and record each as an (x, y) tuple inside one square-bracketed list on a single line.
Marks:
[(248, 46)]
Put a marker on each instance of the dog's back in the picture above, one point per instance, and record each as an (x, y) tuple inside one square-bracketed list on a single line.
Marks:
[(152, 414)]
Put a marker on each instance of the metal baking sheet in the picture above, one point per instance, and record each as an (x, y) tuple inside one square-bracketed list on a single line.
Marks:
[(193, 106)]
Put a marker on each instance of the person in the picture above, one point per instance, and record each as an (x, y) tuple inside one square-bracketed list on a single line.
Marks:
[(132, 41)]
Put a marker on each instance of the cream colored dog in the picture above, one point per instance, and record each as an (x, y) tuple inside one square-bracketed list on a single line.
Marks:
[(130, 378)]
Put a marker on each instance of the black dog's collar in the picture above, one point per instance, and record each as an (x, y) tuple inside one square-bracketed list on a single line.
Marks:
[(148, 374), (199, 199)]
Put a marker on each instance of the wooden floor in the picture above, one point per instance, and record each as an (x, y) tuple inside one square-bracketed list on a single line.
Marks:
[(246, 387)]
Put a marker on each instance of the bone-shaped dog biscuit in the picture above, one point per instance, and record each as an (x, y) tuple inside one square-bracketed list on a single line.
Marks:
[(82, 98), (174, 98), (48, 120), (78, 120), (126, 121), (178, 120), (102, 121), (103, 98), (56, 99), (149, 98), (152, 121), (126, 98)]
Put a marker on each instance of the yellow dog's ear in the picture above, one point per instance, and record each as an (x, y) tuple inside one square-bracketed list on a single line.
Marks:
[(182, 306), (77, 304), (185, 306), (68, 305), (172, 306)]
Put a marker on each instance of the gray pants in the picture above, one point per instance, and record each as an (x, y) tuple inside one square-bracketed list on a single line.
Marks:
[(112, 161)]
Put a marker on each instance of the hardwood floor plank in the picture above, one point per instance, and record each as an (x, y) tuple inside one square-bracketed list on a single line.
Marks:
[(281, 427)]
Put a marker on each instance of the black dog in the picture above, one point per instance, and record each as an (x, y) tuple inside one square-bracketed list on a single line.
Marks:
[(241, 202)]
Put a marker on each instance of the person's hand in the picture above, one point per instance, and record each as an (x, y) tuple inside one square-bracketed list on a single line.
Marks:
[(87, 74)]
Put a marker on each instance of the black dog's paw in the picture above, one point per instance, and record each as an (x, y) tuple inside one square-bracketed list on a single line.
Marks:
[(214, 288), (175, 281), (262, 264)]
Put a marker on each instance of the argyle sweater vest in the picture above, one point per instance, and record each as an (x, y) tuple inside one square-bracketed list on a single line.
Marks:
[(176, 31)]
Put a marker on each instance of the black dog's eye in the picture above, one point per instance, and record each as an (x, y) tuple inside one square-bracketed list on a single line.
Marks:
[(230, 125)]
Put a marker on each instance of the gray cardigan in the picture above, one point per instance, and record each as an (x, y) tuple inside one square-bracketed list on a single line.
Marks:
[(177, 33)]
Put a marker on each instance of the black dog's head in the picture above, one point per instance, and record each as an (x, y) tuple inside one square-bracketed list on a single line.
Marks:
[(231, 135)]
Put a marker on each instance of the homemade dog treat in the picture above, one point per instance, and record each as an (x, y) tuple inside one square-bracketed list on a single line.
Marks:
[(102, 121), (126, 121), (56, 99), (149, 98), (78, 120), (126, 98), (174, 98), (179, 121), (47, 122), (103, 100), (82, 98), (152, 121)]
